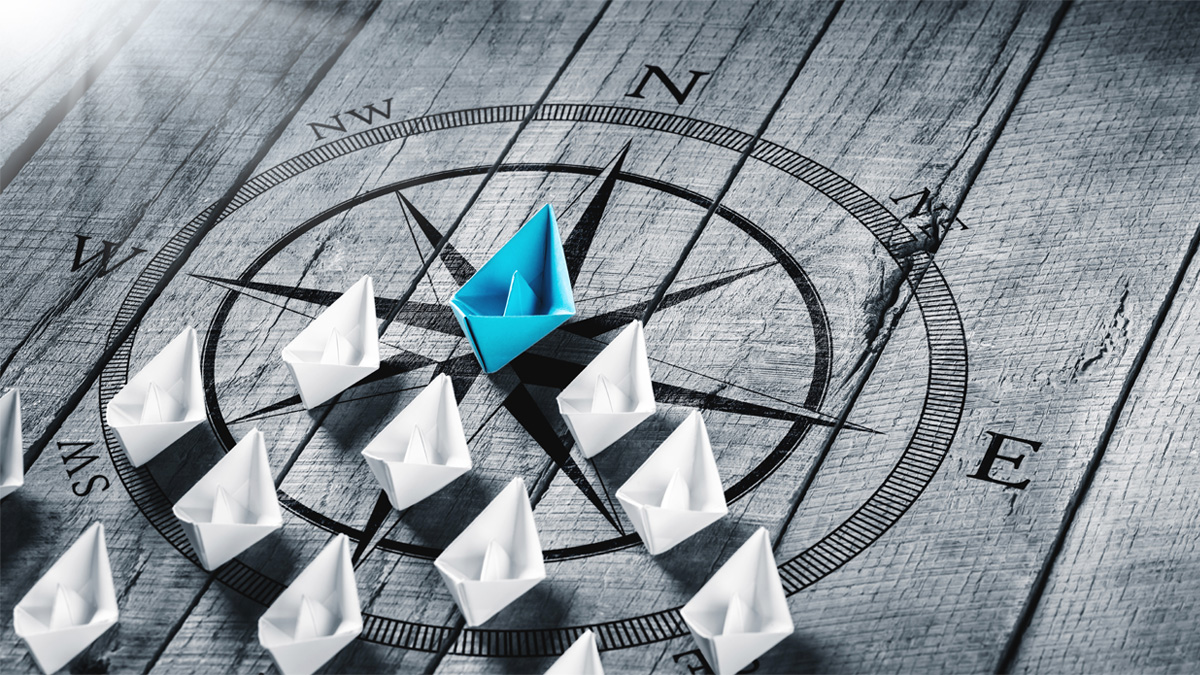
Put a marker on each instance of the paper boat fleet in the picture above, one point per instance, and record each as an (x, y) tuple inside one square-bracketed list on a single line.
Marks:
[(422, 449), (496, 559), (520, 295), (317, 615), (233, 506), (12, 460), (339, 348), (71, 605), (161, 403)]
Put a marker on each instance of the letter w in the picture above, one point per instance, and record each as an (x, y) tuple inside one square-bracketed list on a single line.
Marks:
[(104, 254), (77, 456), (372, 111)]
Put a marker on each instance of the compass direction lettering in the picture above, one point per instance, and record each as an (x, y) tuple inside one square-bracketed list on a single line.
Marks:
[(538, 367), (513, 410), (986, 465), (680, 95), (104, 255), (71, 453), (922, 207), (367, 117)]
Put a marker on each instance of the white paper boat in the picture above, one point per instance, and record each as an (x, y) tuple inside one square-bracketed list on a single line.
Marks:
[(71, 605), (742, 611), (233, 505), (12, 448), (496, 559), (612, 395), (317, 615), (677, 492), (340, 347), (422, 449), (161, 403), (581, 658)]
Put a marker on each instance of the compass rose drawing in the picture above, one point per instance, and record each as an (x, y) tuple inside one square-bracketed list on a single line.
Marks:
[(513, 428)]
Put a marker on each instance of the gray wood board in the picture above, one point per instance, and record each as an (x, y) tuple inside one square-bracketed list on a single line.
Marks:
[(147, 149), (1057, 292), (435, 31), (1123, 594), (449, 48), (47, 64)]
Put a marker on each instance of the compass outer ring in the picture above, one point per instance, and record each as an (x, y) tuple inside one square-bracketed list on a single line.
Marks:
[(927, 448)]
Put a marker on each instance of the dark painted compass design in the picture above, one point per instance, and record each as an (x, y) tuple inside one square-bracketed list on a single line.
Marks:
[(554, 362)]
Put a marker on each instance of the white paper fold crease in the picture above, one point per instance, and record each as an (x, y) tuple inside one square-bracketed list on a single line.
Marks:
[(612, 395), (71, 605), (340, 346), (317, 615), (233, 506), (677, 491), (12, 447), (422, 449), (742, 611), (161, 403), (581, 658), (496, 559)]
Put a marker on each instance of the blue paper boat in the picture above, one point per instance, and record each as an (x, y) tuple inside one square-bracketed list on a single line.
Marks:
[(519, 295)]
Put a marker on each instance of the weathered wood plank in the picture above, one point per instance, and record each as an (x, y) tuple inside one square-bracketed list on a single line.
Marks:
[(154, 583), (155, 140), (50, 54), (1056, 288), (287, 46), (505, 449), (1056, 291), (1123, 593)]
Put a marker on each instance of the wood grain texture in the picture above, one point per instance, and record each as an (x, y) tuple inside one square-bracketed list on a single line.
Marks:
[(49, 56), (751, 52), (1056, 292), (446, 28), (154, 583), (1073, 168), (146, 150), (448, 49), (864, 125), (1123, 593)]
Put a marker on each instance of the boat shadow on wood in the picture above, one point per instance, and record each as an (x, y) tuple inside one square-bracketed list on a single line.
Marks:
[(436, 520), (20, 524), (185, 462), (620, 460), (795, 654), (363, 411), (697, 558)]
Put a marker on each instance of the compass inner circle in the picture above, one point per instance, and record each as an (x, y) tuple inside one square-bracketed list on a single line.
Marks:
[(426, 345)]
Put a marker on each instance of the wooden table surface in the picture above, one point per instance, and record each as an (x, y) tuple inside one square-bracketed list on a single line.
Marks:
[(927, 268)]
